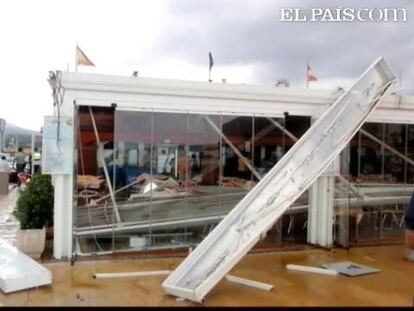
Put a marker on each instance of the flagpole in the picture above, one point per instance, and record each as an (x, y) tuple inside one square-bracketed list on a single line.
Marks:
[(400, 91), (76, 57), (307, 74), (210, 65)]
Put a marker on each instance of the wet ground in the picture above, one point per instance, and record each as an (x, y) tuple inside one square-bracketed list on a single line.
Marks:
[(393, 286), (8, 223)]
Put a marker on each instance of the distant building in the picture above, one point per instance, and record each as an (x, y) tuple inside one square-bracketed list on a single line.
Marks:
[(2, 133)]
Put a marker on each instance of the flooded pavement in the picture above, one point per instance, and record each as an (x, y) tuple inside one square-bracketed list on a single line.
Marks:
[(8, 223), (392, 286)]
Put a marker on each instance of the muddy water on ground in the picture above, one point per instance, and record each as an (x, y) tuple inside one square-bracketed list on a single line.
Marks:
[(393, 286)]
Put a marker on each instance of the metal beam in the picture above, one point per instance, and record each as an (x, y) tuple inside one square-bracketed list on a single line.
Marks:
[(118, 190), (241, 229), (342, 179), (283, 129), (162, 224), (108, 180), (259, 135), (234, 148), (388, 147)]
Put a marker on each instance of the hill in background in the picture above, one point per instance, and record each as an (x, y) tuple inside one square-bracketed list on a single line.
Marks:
[(16, 136)]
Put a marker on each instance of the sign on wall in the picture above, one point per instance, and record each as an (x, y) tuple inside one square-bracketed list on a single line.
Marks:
[(57, 150)]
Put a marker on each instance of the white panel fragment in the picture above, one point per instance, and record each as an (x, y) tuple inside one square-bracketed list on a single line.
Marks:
[(18, 271), (350, 268)]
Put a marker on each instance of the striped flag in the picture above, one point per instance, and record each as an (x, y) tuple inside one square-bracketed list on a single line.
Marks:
[(82, 59), (310, 76)]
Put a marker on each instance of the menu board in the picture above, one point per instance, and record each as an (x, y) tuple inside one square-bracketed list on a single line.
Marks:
[(57, 149)]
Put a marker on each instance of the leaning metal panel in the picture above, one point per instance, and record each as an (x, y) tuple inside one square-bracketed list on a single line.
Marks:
[(259, 210)]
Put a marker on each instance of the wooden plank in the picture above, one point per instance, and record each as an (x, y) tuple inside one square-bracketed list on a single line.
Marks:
[(130, 274), (247, 282), (311, 269)]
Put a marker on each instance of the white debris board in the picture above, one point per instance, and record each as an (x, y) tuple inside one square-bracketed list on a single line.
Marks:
[(18, 271), (350, 268)]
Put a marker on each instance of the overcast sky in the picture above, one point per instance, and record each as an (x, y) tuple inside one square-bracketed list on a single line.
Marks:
[(171, 39)]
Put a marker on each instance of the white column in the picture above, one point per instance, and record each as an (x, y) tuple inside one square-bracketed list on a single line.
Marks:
[(62, 227), (321, 206), (63, 203), (320, 212)]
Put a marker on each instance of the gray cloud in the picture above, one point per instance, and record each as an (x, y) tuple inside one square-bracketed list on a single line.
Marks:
[(249, 32)]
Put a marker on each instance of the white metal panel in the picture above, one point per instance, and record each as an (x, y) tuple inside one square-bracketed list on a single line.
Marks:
[(390, 113), (203, 97), (18, 271), (350, 268), (89, 84), (242, 228), (207, 105), (381, 114)]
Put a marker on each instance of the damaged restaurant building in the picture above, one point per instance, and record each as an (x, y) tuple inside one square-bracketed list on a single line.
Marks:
[(153, 165)]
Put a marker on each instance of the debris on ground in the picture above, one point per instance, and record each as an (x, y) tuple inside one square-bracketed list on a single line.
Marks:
[(350, 268)]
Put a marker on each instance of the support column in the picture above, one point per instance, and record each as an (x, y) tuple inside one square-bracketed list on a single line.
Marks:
[(321, 206), (62, 227), (320, 211), (63, 196)]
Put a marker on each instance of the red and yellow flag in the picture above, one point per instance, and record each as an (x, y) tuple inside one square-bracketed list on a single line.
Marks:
[(82, 59), (310, 76)]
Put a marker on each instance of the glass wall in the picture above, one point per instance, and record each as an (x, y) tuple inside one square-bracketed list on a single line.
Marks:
[(380, 184), (173, 176), (271, 142), (294, 223), (151, 180), (93, 208)]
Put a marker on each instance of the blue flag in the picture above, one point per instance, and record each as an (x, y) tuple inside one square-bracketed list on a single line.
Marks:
[(211, 62)]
